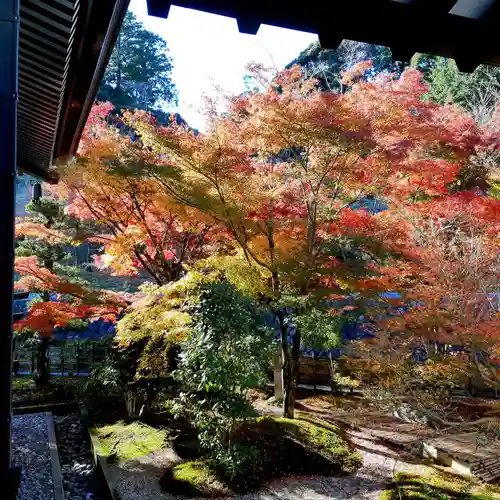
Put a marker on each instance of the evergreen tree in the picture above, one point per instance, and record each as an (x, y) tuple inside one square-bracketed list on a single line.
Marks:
[(139, 71), (477, 92)]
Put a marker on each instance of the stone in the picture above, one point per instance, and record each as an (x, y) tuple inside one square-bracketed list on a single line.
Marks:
[(76, 460)]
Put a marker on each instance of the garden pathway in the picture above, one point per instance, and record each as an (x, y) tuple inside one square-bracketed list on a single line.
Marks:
[(31, 452)]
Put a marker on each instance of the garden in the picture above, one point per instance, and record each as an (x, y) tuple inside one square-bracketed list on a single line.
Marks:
[(302, 299)]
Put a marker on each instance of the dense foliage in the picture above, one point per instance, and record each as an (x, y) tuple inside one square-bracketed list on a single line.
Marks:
[(226, 355), (44, 239), (270, 213), (138, 72), (275, 447), (326, 65)]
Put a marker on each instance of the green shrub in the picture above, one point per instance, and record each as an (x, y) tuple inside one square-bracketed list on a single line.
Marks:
[(226, 355), (281, 446), (263, 449), (158, 323), (104, 389)]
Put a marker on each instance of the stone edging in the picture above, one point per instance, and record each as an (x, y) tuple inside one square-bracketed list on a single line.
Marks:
[(54, 458), (101, 462)]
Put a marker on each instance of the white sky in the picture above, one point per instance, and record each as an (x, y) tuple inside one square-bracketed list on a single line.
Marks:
[(207, 49)]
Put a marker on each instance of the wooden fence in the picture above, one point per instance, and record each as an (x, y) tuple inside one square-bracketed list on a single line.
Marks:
[(65, 358), (72, 358), (316, 372)]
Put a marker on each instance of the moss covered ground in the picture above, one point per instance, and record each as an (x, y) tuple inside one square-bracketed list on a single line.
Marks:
[(438, 484), (59, 389), (279, 447), (129, 440), (317, 437)]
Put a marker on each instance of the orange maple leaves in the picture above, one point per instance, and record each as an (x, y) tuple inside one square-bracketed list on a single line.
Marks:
[(37, 278), (33, 229), (277, 174)]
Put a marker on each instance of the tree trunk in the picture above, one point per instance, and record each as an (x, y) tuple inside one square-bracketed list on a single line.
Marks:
[(288, 387), (294, 367), (41, 375), (290, 358), (136, 402), (285, 367)]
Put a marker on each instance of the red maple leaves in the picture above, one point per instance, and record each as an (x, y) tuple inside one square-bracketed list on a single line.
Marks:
[(43, 317)]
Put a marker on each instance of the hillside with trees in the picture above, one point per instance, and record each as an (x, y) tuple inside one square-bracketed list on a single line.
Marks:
[(326, 65)]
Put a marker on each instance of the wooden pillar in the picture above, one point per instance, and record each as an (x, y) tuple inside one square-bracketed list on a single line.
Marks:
[(9, 38)]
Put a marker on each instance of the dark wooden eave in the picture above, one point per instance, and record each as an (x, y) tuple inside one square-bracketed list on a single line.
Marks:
[(467, 30), (64, 47)]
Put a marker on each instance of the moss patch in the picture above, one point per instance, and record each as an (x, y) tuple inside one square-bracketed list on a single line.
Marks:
[(196, 473), (21, 383), (266, 448), (283, 446), (127, 441), (438, 485), (193, 479), (318, 437)]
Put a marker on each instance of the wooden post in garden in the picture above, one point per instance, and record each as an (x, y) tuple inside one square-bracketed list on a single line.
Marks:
[(332, 374), (278, 375)]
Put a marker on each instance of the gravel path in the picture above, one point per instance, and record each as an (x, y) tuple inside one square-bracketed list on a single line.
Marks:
[(81, 479), (30, 451)]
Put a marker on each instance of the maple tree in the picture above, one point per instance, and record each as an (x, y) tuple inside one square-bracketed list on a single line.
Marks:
[(42, 243), (37, 278), (74, 301), (278, 190), (453, 286), (43, 317), (282, 168), (141, 228)]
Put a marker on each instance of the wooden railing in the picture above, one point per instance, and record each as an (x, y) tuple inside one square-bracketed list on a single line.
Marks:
[(65, 359)]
